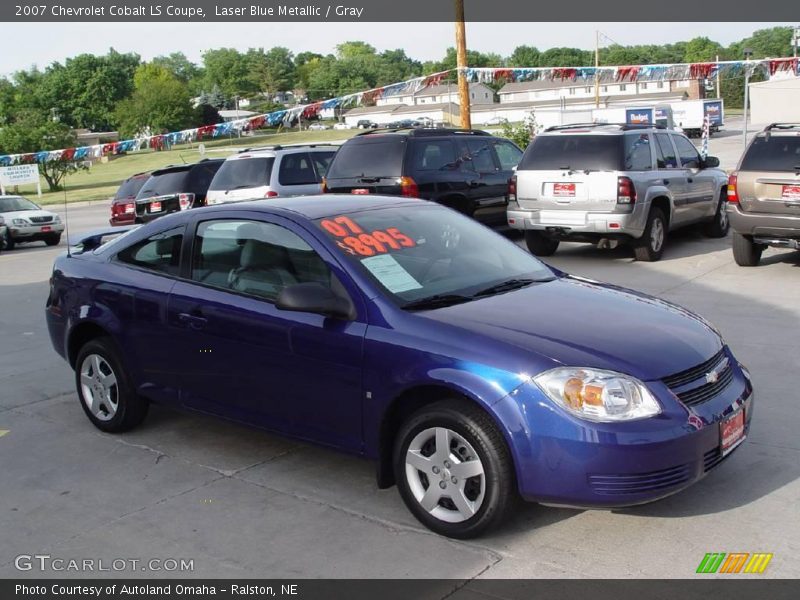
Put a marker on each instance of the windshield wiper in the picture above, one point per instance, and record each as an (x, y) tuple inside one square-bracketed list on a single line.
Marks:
[(504, 286), (436, 301)]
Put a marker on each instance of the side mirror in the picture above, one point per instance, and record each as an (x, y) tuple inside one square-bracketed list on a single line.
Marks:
[(710, 162), (315, 298)]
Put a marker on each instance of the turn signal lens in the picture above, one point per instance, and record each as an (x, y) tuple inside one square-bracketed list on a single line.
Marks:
[(408, 187), (324, 185), (733, 192)]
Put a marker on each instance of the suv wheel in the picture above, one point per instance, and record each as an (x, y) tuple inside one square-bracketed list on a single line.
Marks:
[(718, 228), (9, 241), (651, 246), (746, 252), (540, 244), (453, 469)]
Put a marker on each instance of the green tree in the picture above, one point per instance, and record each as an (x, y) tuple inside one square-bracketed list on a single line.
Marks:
[(524, 56), (31, 132), (230, 70), (180, 66), (272, 71), (160, 102), (701, 49)]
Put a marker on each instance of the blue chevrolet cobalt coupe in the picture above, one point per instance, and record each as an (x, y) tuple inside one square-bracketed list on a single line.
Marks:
[(405, 332)]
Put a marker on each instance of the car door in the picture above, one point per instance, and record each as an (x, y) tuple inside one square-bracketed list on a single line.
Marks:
[(436, 166), (297, 175), (243, 358), (489, 190), (700, 183), (673, 177), (139, 296)]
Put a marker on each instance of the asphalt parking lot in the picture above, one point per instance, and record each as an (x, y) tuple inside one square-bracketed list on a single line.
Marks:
[(243, 503)]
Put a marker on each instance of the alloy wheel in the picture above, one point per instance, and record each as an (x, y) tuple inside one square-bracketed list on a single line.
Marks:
[(99, 387)]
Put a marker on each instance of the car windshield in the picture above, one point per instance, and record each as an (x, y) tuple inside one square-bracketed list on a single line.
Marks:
[(14, 203), (578, 152), (130, 187), (243, 173), (426, 256), (171, 182), (773, 153)]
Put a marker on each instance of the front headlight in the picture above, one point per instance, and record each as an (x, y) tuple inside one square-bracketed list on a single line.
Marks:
[(56, 219), (597, 395), (20, 222)]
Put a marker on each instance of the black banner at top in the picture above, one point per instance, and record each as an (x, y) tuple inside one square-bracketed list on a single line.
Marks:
[(393, 10)]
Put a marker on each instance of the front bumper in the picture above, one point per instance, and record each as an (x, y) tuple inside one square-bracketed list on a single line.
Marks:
[(574, 222), (32, 233), (764, 224), (561, 460)]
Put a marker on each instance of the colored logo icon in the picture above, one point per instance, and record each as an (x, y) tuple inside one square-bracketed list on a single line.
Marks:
[(734, 562)]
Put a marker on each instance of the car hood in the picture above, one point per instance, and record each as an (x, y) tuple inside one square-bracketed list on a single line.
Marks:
[(24, 214), (575, 322)]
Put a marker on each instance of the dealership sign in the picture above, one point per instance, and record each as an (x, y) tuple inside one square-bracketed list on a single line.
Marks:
[(19, 175)]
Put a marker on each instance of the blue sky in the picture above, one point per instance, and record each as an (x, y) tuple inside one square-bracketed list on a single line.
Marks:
[(26, 44)]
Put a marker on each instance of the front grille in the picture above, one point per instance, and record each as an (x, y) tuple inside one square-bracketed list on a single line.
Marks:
[(620, 485), (697, 372), (711, 459), (41, 219), (705, 392)]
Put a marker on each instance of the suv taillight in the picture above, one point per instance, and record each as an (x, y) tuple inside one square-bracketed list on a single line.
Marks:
[(409, 188), (733, 192), (324, 186), (626, 191), (512, 189), (271, 194), (185, 201), (119, 208)]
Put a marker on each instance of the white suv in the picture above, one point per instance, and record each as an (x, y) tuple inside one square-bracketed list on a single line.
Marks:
[(612, 184), (271, 171)]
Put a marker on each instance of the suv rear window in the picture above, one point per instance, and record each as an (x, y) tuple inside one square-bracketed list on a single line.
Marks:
[(773, 153), (373, 158), (577, 152), (130, 187), (170, 182), (243, 173)]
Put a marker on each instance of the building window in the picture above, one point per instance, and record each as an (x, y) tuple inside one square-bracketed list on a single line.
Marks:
[(660, 84), (485, 94), (571, 91), (605, 88), (622, 87), (588, 90), (643, 86), (472, 95)]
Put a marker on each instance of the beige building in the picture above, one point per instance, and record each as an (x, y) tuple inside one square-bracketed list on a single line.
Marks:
[(775, 101), (479, 93)]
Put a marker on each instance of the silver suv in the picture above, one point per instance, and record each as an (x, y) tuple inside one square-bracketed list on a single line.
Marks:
[(612, 184), (271, 171)]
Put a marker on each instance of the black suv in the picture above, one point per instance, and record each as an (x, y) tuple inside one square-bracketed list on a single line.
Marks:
[(466, 170), (175, 188)]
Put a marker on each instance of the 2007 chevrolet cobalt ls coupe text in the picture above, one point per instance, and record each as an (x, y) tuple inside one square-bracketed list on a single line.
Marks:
[(403, 331)]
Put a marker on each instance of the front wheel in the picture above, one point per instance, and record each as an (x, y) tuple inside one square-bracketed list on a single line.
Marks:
[(746, 252), (718, 228), (53, 240), (105, 392), (651, 246), (9, 241), (453, 469), (540, 244)]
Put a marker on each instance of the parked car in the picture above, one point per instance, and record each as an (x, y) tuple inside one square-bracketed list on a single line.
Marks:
[(403, 331), (366, 124), (318, 127), (26, 221), (764, 194), (3, 231), (612, 184), (342, 126), (123, 205), (175, 188), (466, 170), (270, 172)]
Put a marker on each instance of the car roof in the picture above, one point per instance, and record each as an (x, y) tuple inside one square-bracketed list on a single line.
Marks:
[(261, 151), (317, 206), (186, 167), (603, 128), (411, 132)]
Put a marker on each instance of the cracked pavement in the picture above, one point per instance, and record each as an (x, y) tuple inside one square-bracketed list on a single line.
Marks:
[(243, 503)]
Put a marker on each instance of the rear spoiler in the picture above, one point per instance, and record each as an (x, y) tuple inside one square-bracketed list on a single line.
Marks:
[(93, 239)]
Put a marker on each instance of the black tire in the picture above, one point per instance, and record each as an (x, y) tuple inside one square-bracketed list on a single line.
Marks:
[(646, 248), (131, 409), (746, 252), (540, 244), (498, 486), (10, 243), (53, 240), (718, 228)]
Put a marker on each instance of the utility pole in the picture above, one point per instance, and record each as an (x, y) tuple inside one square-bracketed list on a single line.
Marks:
[(718, 82), (747, 54), (461, 61), (597, 69), (796, 39)]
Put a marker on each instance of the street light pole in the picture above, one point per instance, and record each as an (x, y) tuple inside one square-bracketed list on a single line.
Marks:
[(461, 61), (747, 54)]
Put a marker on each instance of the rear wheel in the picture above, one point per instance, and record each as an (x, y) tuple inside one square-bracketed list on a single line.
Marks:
[(746, 252), (718, 228), (540, 244), (105, 392), (53, 240), (453, 469), (651, 246)]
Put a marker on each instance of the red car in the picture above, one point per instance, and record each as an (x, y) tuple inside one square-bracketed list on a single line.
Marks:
[(123, 205)]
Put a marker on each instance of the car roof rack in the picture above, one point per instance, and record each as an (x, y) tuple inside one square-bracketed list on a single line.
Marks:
[(622, 126), (424, 131), (773, 126), (285, 146)]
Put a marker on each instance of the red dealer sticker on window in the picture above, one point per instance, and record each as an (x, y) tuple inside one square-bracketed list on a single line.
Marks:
[(353, 238)]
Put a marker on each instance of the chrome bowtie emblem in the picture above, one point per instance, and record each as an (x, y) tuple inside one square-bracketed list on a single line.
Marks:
[(713, 376)]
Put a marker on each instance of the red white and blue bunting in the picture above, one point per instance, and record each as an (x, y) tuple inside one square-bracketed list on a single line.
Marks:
[(629, 73)]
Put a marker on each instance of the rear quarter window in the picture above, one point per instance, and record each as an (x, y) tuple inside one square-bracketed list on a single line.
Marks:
[(170, 182), (130, 187), (773, 153), (378, 157), (576, 152)]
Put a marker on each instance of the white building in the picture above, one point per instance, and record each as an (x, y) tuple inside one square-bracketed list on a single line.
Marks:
[(541, 91), (775, 101), (479, 93), (445, 112)]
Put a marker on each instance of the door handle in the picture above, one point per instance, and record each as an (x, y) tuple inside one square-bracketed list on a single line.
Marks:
[(473, 183), (666, 182), (193, 321), (690, 180)]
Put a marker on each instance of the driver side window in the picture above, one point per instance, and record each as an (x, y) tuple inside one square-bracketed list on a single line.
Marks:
[(688, 154), (254, 258)]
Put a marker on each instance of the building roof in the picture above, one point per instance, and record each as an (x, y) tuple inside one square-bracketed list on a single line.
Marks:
[(436, 90), (544, 84), (777, 83), (369, 110), (451, 107)]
